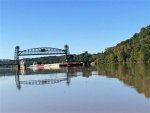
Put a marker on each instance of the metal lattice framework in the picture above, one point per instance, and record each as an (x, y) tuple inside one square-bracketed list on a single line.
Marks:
[(42, 82), (40, 51)]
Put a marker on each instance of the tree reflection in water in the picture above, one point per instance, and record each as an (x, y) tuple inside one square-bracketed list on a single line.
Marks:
[(134, 75)]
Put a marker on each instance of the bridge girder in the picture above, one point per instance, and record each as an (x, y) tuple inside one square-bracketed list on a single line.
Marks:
[(42, 51)]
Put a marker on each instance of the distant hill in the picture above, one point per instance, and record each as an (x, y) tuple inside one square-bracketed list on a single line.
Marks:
[(135, 49)]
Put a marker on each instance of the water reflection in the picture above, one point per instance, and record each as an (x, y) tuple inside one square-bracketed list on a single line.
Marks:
[(136, 76), (17, 80), (43, 77), (133, 75), (88, 90), (32, 78)]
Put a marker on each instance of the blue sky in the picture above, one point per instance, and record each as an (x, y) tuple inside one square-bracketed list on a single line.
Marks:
[(85, 25)]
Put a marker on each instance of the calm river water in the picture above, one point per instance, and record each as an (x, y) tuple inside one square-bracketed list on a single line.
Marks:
[(99, 89)]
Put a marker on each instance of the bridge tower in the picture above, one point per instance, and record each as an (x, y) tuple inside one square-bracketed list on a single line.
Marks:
[(16, 57), (67, 52)]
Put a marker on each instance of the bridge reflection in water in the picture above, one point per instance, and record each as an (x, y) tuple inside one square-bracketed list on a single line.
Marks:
[(42, 78)]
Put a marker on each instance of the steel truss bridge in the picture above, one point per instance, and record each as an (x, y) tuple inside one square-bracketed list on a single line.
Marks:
[(35, 51)]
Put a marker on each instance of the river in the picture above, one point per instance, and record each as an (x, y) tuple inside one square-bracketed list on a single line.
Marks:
[(100, 89)]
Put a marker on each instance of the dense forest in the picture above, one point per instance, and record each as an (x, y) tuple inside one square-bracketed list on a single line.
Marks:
[(135, 49)]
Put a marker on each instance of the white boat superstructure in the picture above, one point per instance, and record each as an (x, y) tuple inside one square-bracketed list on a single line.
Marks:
[(52, 66), (45, 66)]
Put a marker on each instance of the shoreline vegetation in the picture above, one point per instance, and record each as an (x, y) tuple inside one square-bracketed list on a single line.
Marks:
[(133, 50)]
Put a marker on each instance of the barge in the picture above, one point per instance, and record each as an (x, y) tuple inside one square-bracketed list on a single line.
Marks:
[(56, 65)]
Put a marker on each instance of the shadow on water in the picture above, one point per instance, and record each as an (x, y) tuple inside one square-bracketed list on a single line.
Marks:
[(133, 75)]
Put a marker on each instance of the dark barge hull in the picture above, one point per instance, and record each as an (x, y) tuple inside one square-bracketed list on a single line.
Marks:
[(71, 64)]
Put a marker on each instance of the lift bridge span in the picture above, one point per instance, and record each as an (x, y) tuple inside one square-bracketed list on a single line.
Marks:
[(35, 51)]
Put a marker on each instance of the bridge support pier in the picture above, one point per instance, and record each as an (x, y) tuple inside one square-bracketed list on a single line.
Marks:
[(86, 64), (20, 67)]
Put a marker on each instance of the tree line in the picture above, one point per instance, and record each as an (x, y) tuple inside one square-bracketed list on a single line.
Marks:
[(135, 49)]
